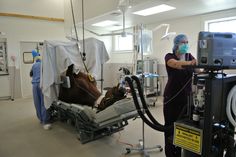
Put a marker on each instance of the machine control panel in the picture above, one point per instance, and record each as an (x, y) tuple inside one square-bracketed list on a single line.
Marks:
[(217, 49)]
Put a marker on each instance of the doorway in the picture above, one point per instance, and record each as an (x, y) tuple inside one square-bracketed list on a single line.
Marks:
[(26, 62)]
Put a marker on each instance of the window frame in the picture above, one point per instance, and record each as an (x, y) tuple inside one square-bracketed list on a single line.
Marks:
[(219, 20), (114, 38), (114, 43), (27, 58)]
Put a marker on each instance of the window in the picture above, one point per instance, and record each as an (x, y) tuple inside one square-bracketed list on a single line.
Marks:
[(123, 43), (27, 58), (222, 25), (126, 44)]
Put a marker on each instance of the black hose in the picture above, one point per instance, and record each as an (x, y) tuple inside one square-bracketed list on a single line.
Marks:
[(153, 123), (143, 100), (139, 110), (149, 114)]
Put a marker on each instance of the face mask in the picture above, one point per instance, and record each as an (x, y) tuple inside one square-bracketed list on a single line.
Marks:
[(183, 48)]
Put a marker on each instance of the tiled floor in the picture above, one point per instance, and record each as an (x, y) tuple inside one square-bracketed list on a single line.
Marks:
[(21, 135)]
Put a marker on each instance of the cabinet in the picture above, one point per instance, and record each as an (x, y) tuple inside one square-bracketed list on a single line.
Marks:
[(151, 79), (3, 57)]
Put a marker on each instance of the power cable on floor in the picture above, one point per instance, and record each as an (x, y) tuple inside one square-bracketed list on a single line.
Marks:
[(122, 142)]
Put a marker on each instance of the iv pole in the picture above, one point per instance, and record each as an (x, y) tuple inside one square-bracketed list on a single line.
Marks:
[(141, 145)]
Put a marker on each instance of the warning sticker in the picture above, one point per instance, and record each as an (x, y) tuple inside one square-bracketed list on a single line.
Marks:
[(188, 137)]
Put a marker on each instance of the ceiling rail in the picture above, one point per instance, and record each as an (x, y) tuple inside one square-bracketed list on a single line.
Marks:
[(32, 17)]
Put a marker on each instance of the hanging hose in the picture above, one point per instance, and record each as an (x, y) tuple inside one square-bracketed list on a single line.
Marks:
[(155, 126), (153, 123), (163, 128)]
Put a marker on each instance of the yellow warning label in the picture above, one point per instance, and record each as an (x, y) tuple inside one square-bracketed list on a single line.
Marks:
[(188, 137)]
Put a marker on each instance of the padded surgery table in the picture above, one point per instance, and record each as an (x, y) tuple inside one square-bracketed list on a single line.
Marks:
[(91, 125)]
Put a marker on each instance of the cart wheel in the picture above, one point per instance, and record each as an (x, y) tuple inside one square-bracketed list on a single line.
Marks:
[(161, 149)]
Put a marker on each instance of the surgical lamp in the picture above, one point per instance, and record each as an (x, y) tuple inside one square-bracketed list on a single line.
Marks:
[(167, 34), (123, 6)]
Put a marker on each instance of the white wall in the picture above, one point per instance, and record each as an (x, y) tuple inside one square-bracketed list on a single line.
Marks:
[(48, 8), (20, 29)]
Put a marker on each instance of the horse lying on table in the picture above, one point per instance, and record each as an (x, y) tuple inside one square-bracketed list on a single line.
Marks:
[(76, 106), (84, 91)]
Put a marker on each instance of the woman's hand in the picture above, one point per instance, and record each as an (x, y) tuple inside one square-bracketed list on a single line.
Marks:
[(193, 62)]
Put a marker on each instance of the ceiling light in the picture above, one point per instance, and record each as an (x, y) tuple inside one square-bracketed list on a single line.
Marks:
[(154, 10), (105, 23)]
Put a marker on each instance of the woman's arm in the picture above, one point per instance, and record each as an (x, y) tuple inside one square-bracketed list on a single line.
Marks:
[(31, 73), (176, 64)]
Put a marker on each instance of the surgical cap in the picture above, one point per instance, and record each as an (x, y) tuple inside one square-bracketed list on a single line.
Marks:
[(177, 40), (35, 54)]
